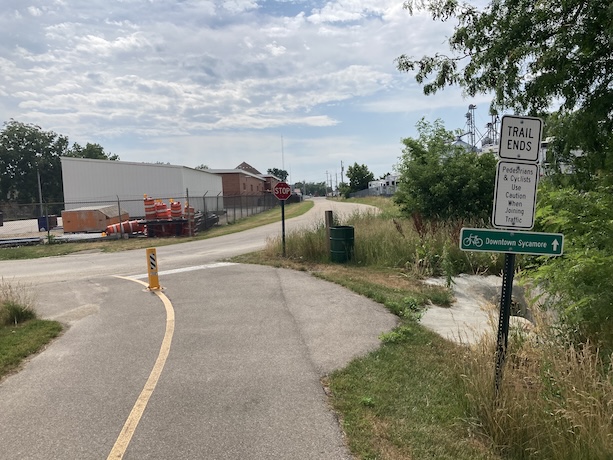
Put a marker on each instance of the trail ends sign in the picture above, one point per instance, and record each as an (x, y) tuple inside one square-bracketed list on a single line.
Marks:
[(520, 138), (282, 191)]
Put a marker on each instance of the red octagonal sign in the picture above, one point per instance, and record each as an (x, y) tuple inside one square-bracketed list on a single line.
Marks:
[(282, 191)]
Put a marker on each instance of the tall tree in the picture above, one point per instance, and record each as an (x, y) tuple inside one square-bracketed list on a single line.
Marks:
[(359, 176), (530, 55), (280, 173), (27, 153)]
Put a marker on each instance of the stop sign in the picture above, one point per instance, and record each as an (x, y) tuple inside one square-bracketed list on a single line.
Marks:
[(282, 191)]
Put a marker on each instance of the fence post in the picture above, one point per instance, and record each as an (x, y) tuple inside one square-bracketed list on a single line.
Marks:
[(40, 194), (119, 214), (189, 213), (47, 223), (329, 223)]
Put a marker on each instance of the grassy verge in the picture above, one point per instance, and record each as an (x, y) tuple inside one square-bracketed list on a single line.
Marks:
[(420, 396), (24, 339), (21, 333), (403, 402), (115, 245)]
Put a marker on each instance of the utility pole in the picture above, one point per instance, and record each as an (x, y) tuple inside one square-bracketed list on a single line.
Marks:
[(282, 155), (40, 192), (342, 171), (326, 183)]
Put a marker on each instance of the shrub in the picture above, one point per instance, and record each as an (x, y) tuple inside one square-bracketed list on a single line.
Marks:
[(16, 304), (440, 180), (12, 313), (578, 284)]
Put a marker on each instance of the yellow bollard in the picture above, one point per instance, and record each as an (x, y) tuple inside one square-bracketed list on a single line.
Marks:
[(152, 269)]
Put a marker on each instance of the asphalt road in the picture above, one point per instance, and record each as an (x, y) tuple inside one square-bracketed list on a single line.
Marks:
[(226, 363)]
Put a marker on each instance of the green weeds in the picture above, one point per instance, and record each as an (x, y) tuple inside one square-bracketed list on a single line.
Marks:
[(21, 333)]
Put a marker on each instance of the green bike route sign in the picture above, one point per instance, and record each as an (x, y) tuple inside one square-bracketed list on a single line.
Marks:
[(486, 240)]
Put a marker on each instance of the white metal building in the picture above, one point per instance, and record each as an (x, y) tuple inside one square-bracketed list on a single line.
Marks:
[(385, 186), (104, 181)]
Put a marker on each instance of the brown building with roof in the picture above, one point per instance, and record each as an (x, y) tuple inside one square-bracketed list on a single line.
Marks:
[(245, 180)]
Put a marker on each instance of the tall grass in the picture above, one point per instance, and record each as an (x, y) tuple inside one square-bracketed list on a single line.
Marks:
[(21, 333), (393, 242), (555, 400), (16, 304)]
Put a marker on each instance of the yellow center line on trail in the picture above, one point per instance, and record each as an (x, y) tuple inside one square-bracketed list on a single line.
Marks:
[(124, 438)]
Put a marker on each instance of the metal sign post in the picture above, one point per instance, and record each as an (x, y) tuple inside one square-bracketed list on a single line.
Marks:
[(505, 315), (282, 192), (283, 225)]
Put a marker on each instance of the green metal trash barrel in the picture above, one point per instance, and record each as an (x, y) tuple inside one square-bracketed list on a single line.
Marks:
[(341, 243)]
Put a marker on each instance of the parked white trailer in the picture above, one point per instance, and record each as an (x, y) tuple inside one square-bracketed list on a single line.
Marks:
[(88, 181)]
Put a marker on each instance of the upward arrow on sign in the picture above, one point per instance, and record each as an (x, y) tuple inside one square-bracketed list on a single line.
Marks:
[(555, 245)]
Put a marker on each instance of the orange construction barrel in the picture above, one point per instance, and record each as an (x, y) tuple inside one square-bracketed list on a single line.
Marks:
[(176, 212), (149, 208)]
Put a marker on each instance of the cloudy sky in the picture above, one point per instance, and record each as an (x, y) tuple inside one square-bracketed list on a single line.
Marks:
[(301, 85)]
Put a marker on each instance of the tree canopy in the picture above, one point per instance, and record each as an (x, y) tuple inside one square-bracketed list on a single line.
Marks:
[(312, 188), (532, 55), (92, 151), (280, 173), (359, 176)]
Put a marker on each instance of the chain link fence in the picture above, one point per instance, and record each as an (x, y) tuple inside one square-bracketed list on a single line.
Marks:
[(386, 191), (35, 221)]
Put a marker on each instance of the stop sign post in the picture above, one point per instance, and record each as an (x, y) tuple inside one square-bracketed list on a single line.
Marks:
[(282, 192)]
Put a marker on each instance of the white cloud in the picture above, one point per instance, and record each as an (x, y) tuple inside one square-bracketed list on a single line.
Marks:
[(34, 11), (239, 6), (136, 71), (276, 50)]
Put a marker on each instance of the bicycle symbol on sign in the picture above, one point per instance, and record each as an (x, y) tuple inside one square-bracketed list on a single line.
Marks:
[(473, 240)]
